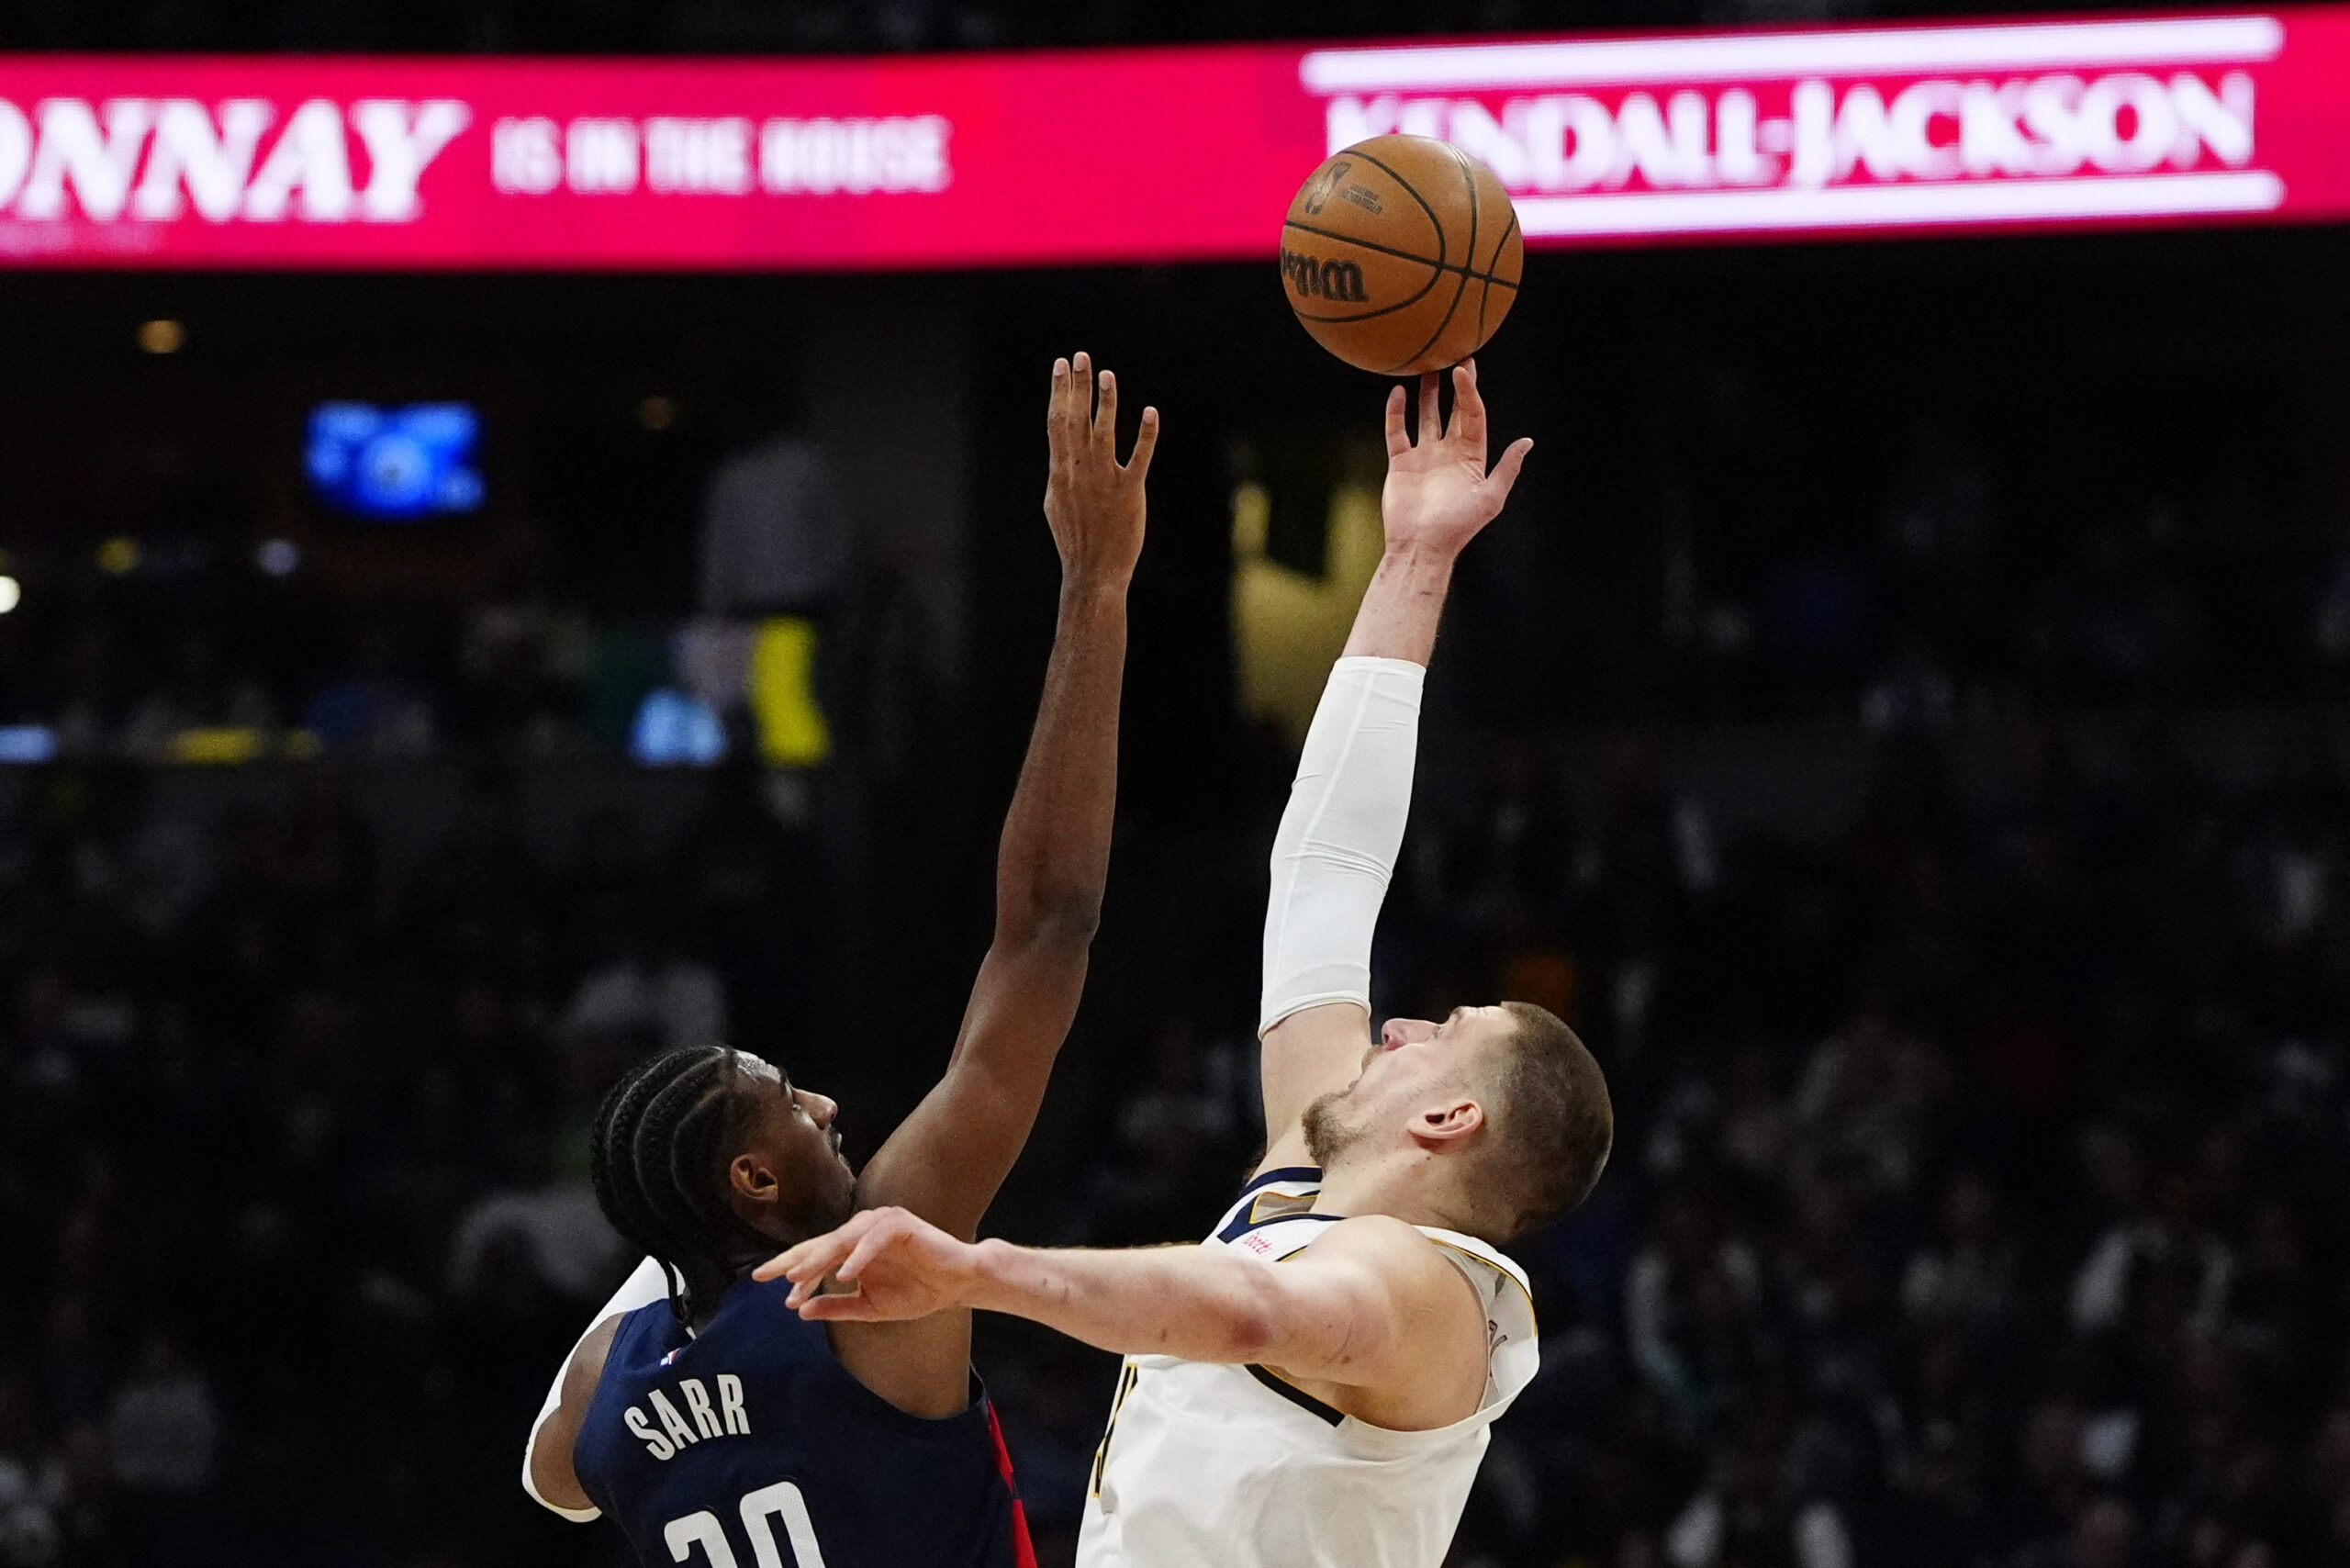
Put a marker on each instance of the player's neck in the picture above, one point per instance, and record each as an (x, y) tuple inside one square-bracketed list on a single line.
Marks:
[(1404, 1190)]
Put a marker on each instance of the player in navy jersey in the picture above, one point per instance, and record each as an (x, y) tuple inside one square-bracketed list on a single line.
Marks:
[(706, 1417)]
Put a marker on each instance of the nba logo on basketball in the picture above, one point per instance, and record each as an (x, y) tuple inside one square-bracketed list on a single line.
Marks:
[(1324, 186)]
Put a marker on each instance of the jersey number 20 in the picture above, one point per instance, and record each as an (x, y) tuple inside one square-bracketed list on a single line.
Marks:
[(782, 1500)]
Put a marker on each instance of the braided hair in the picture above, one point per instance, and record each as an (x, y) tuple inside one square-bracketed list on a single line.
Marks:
[(658, 1158)]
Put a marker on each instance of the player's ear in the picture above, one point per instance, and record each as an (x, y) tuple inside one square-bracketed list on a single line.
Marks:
[(750, 1179), (1448, 1122)]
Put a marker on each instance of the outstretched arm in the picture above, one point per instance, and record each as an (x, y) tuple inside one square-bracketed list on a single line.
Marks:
[(1371, 1305), (949, 1158), (1339, 839)]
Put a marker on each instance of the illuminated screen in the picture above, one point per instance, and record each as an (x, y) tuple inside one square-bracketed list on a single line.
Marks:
[(395, 464), (1063, 158)]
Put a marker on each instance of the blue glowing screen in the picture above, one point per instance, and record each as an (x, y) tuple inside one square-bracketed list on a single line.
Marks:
[(396, 464)]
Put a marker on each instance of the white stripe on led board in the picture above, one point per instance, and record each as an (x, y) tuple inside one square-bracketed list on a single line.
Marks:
[(1701, 212), (1733, 56)]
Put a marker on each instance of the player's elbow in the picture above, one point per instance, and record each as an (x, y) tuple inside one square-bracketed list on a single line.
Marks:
[(551, 1481), (1244, 1310), (1061, 920), (1250, 1325), (1071, 915)]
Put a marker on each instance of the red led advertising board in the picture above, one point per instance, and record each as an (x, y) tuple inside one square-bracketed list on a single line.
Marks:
[(1160, 154)]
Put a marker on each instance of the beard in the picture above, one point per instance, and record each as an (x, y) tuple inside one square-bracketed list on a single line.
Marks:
[(824, 1206), (833, 1213), (1327, 1133), (828, 1209)]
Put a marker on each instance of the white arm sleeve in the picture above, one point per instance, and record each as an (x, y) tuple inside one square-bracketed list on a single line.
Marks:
[(643, 1288), (1336, 850)]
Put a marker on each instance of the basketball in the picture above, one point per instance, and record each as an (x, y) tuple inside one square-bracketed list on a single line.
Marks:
[(1401, 254)]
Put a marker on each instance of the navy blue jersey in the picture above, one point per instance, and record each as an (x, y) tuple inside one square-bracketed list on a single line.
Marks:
[(750, 1446)]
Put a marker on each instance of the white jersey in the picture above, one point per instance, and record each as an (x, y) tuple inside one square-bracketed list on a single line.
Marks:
[(1207, 1465)]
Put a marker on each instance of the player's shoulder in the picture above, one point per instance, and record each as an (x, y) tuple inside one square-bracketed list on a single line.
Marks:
[(1474, 1254), (1421, 1256), (625, 1345), (586, 1368), (1380, 1239)]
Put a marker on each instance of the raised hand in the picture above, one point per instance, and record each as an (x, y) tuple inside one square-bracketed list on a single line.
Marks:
[(1438, 494), (902, 1267), (1093, 502)]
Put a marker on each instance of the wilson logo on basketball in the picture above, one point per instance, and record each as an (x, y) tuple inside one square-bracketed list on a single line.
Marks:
[(1310, 277)]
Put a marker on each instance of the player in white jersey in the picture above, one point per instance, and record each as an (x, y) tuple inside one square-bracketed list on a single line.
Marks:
[(1312, 1385)]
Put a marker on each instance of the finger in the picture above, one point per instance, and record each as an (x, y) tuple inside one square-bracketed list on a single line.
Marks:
[(1056, 409), (1505, 473), (809, 1269), (1431, 422), (1146, 442), (1080, 389), (874, 1243), (1105, 418), (774, 1266), (1399, 439), (789, 1262), (839, 1309), (808, 1274), (818, 1254), (813, 1258), (801, 1288), (1468, 408)]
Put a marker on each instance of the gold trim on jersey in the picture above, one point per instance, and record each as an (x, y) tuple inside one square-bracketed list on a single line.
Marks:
[(1127, 1376), (1284, 1204), (1532, 1316)]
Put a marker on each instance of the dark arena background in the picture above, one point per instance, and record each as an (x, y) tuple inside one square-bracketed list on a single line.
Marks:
[(1899, 721)]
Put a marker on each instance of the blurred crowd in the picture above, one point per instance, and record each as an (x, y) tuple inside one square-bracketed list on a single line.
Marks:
[(1914, 601), (1976, 1192), (97, 681), (188, 643), (293, 1143), (1976, 579)]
